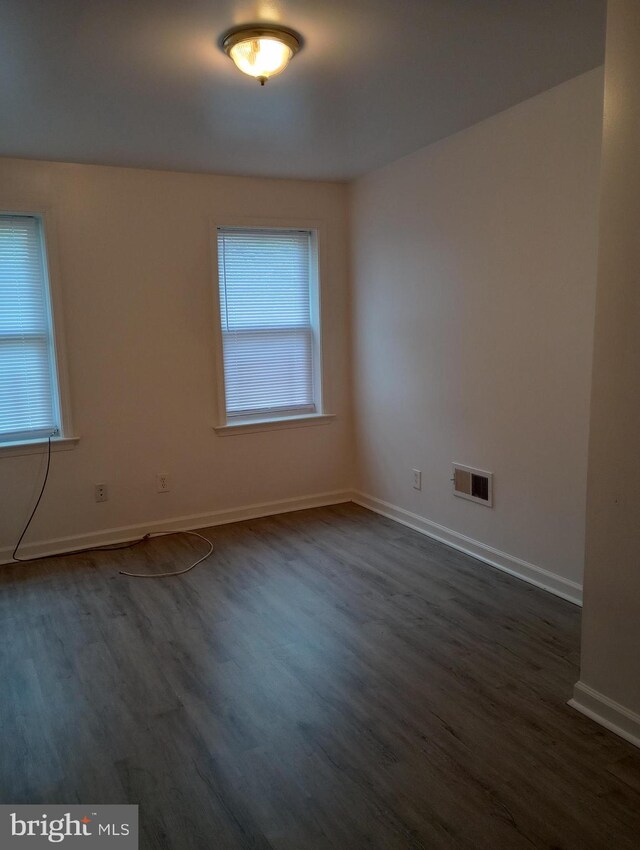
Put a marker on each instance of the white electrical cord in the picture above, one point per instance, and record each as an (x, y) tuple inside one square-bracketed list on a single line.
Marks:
[(177, 572), (106, 548)]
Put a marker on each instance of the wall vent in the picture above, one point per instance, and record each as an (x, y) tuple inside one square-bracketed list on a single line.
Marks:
[(473, 484)]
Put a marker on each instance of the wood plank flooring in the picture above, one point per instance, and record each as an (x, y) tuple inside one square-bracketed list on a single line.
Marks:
[(327, 679)]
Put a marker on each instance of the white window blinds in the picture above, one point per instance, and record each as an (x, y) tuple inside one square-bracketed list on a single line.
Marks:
[(266, 318), (28, 398)]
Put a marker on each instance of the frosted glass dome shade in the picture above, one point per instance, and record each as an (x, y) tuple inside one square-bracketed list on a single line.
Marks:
[(261, 52)]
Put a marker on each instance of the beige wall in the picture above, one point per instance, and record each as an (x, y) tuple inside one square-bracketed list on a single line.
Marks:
[(611, 621), (474, 263), (136, 272)]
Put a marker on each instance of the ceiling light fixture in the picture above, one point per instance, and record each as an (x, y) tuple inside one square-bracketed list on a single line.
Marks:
[(261, 51)]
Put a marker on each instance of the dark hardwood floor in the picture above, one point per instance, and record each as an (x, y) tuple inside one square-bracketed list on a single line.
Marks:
[(327, 679)]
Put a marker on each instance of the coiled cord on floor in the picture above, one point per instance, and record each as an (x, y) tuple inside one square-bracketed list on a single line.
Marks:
[(113, 548), (176, 572)]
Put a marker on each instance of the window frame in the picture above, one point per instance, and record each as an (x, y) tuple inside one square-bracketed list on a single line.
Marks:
[(273, 420), (64, 439)]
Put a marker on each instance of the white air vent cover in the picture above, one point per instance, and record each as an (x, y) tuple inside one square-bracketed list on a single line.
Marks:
[(473, 484)]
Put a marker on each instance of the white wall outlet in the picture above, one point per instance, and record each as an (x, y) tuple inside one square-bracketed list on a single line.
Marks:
[(162, 482), (101, 493), (417, 479)]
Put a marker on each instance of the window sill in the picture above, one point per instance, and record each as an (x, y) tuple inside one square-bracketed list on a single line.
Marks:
[(258, 425), (37, 447)]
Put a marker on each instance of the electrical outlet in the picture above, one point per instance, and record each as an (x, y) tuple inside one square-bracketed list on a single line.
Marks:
[(101, 493), (162, 482), (417, 479)]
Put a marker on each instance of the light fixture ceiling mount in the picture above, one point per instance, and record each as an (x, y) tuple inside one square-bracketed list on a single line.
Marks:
[(261, 50)]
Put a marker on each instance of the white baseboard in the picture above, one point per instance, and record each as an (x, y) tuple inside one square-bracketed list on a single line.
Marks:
[(538, 576), (123, 534), (608, 713), (126, 533)]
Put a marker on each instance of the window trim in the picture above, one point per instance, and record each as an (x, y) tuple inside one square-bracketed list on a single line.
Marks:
[(272, 421), (48, 227), (274, 424), (38, 446)]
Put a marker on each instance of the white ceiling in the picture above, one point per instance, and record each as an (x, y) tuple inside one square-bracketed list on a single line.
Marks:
[(143, 83)]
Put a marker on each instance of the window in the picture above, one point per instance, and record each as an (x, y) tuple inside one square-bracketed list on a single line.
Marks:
[(29, 403), (269, 321)]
